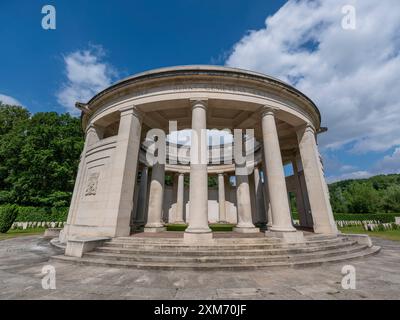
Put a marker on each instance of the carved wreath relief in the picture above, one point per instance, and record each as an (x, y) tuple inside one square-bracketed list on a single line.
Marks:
[(91, 186)]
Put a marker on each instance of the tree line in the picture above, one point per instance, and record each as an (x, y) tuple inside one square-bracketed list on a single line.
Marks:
[(376, 194)]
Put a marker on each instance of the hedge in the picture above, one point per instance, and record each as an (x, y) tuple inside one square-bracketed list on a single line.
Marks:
[(40, 214), (7, 217), (381, 217)]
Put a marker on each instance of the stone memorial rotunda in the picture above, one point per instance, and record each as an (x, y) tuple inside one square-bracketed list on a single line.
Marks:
[(122, 204)]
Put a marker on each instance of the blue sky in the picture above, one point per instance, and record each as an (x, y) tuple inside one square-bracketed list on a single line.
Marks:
[(351, 74)]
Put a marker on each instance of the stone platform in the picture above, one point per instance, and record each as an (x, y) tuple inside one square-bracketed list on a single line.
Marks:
[(227, 251), (22, 260)]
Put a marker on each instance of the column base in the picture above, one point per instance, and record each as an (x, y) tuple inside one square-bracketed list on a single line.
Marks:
[(197, 237), (179, 222), (154, 229), (325, 229), (289, 237), (246, 229)]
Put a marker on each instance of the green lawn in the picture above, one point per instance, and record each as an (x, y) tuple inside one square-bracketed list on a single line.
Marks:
[(20, 233), (388, 234), (214, 227)]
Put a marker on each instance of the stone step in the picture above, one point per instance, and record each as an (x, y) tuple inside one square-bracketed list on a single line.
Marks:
[(216, 245), (263, 239), (238, 259), (180, 240), (215, 266), (179, 251)]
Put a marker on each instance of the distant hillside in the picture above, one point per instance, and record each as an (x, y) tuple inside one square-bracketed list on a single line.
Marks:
[(380, 193)]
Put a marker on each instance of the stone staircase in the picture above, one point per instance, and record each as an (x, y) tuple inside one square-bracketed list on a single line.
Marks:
[(222, 254)]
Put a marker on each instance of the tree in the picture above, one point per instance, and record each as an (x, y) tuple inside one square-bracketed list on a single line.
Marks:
[(339, 202), (362, 198), (391, 199), (10, 116), (39, 158)]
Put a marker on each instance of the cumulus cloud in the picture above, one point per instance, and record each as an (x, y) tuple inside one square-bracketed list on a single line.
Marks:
[(390, 163), (87, 74), (352, 75), (9, 100), (350, 175)]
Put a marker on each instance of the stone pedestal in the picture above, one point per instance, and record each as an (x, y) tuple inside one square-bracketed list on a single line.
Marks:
[(192, 237), (289, 237)]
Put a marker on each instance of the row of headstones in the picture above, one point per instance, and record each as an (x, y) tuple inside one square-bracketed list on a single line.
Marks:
[(380, 226), (43, 224), (345, 223)]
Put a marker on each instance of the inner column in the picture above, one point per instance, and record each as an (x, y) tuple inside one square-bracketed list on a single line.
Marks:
[(198, 228)]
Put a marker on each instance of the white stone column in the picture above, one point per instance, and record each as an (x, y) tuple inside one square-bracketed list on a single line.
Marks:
[(316, 186), (142, 199), (243, 196), (245, 224), (156, 196), (124, 168), (198, 228), (180, 199), (281, 217), (221, 198)]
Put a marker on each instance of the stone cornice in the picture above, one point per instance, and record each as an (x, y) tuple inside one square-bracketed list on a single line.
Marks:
[(257, 84)]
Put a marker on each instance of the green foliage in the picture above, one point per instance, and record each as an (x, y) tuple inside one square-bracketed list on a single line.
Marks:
[(8, 214), (382, 217), (10, 116), (376, 194), (40, 214), (38, 157), (362, 198), (391, 198)]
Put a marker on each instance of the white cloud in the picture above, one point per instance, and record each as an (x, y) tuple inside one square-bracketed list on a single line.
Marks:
[(9, 100), (87, 74), (350, 175), (352, 75), (390, 163)]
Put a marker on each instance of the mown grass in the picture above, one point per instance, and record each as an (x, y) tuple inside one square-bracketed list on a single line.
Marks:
[(21, 233), (387, 234)]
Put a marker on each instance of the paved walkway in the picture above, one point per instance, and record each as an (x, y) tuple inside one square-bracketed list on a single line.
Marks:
[(22, 259)]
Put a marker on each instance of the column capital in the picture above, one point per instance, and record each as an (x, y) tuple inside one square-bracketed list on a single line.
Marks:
[(306, 127), (179, 173), (199, 103), (268, 110), (132, 109), (90, 127)]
